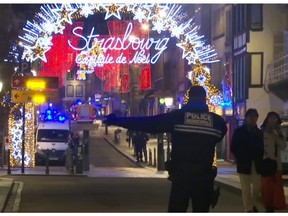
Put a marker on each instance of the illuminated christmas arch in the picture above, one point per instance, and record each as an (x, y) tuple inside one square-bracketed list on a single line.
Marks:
[(53, 19)]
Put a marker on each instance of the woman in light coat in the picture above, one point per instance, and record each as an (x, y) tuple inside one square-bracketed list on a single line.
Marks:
[(274, 141)]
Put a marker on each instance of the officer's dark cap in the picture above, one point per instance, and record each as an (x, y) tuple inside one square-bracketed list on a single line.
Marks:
[(197, 94)]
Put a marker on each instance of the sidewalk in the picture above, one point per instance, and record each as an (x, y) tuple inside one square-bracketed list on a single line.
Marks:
[(226, 177)]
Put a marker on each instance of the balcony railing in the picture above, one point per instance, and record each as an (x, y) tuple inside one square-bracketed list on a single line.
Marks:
[(276, 80), (279, 70)]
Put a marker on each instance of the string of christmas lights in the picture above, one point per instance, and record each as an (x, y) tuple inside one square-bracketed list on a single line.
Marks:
[(53, 18), (15, 135)]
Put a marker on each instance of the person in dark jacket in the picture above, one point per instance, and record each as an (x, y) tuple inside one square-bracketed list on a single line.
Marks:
[(130, 134), (247, 147), (194, 134), (140, 140)]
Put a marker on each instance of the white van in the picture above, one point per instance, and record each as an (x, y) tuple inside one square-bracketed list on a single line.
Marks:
[(52, 136), (284, 153)]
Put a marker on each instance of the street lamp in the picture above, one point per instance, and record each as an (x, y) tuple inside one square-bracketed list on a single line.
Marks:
[(168, 102), (1, 86)]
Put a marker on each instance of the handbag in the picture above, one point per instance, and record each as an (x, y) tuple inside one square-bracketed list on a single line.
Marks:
[(268, 167)]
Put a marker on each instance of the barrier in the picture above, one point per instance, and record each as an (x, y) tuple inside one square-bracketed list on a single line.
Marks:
[(155, 163), (117, 134), (8, 162), (47, 162)]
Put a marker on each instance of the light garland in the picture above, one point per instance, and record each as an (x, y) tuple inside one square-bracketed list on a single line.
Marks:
[(53, 18), (15, 135), (30, 135), (164, 17), (200, 75)]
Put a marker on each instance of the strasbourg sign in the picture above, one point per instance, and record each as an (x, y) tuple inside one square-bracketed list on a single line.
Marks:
[(139, 47)]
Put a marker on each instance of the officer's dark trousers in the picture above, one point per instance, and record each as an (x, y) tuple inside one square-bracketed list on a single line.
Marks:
[(199, 191)]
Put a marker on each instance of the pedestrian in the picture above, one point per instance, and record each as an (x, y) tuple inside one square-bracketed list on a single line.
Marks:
[(130, 135), (140, 140), (194, 134), (133, 143), (144, 149), (247, 148), (274, 141)]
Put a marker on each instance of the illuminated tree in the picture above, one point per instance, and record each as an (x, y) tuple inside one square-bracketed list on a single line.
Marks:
[(200, 76)]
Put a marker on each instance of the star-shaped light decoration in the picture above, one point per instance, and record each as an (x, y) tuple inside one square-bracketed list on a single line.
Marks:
[(64, 13), (87, 9), (113, 10), (45, 40), (176, 30), (49, 27), (187, 47), (59, 27), (38, 51), (141, 14), (158, 26), (158, 12)]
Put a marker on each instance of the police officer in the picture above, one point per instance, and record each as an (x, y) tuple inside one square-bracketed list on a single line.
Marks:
[(194, 134)]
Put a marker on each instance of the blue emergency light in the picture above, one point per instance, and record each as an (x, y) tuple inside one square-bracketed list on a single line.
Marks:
[(61, 118), (51, 115)]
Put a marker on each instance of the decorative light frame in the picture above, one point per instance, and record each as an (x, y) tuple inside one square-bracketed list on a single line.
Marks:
[(53, 18)]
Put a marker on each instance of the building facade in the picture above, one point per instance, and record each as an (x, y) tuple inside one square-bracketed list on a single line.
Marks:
[(255, 48), (250, 43)]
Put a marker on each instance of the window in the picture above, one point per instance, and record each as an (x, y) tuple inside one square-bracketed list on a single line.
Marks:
[(79, 91), (255, 63), (240, 87), (51, 135), (70, 91), (239, 18), (256, 17)]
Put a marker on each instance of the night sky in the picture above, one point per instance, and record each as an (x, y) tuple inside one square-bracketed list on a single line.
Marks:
[(28, 10)]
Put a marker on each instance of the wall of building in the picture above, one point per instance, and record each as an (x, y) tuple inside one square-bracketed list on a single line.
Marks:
[(262, 41)]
